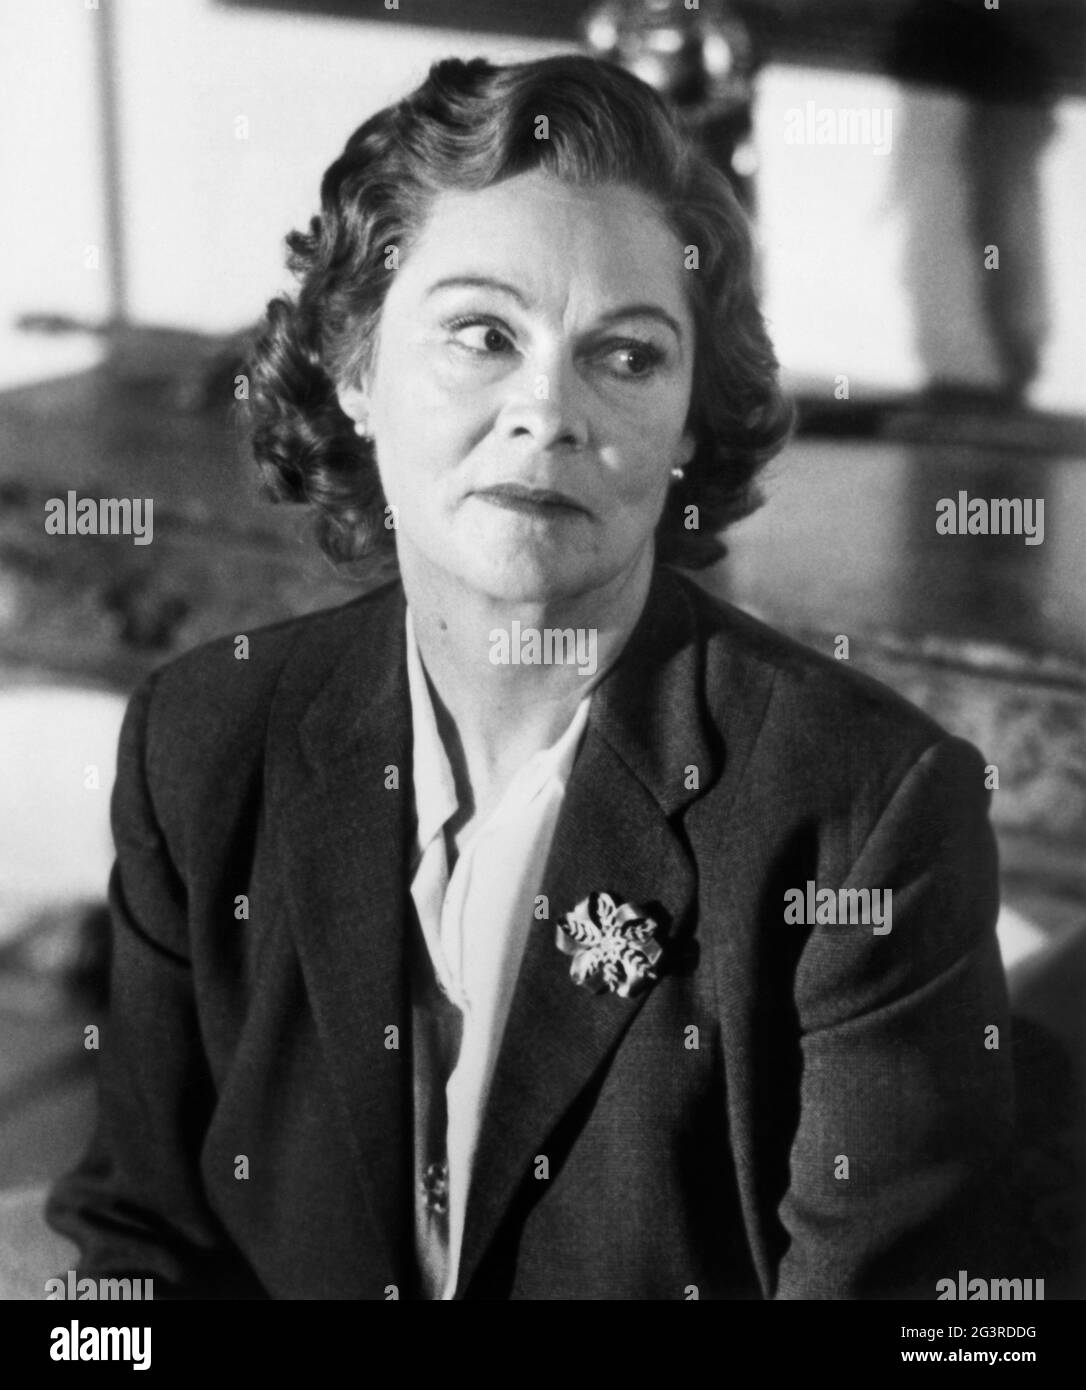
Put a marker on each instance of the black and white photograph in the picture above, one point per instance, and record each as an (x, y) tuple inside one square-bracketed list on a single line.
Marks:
[(543, 663)]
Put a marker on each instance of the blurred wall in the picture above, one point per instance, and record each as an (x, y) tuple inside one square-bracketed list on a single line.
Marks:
[(872, 266), (52, 178)]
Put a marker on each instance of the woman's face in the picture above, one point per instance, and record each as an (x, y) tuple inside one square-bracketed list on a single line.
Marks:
[(530, 387)]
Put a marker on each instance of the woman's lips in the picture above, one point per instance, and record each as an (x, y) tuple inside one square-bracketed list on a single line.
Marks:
[(532, 500)]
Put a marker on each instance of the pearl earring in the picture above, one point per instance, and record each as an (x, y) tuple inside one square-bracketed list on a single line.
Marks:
[(362, 431), (678, 473)]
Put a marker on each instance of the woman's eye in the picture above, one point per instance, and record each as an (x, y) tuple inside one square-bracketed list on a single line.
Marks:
[(635, 359), (480, 336)]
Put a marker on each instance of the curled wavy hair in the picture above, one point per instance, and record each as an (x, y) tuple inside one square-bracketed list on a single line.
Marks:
[(468, 126)]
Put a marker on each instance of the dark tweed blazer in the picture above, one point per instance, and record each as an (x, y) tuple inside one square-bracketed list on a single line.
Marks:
[(254, 1136)]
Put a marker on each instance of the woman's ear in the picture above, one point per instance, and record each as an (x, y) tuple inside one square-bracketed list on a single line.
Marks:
[(688, 447), (354, 402)]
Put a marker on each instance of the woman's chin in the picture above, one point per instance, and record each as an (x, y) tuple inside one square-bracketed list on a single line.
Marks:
[(526, 574)]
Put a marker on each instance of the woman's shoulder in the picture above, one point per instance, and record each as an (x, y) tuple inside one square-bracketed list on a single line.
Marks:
[(221, 691), (822, 692)]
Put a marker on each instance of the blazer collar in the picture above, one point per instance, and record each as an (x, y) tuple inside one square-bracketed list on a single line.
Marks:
[(649, 708)]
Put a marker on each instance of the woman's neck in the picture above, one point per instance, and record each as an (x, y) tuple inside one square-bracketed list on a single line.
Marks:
[(506, 677)]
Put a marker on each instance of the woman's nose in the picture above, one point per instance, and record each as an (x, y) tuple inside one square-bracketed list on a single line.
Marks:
[(547, 403)]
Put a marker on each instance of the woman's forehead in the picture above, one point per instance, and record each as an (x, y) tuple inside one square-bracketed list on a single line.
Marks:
[(534, 226)]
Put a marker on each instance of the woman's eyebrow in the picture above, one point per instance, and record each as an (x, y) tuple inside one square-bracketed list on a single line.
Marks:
[(485, 282), (625, 311), (643, 311)]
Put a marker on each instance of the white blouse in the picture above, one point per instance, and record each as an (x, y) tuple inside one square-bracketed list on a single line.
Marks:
[(475, 923)]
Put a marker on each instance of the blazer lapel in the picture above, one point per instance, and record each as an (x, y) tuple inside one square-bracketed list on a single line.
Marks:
[(338, 726), (615, 833)]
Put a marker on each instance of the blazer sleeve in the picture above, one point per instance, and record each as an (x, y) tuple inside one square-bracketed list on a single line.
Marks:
[(897, 1174), (135, 1204)]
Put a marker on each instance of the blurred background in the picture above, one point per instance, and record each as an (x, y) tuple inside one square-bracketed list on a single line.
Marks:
[(157, 152)]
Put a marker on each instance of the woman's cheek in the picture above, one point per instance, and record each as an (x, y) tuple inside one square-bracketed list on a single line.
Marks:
[(645, 471)]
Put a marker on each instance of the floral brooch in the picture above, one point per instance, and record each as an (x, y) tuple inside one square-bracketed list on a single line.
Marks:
[(613, 945)]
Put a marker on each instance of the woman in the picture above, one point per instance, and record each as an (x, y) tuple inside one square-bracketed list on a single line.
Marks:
[(474, 939)]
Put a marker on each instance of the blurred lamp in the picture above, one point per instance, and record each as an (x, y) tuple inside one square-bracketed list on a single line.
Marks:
[(700, 57)]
